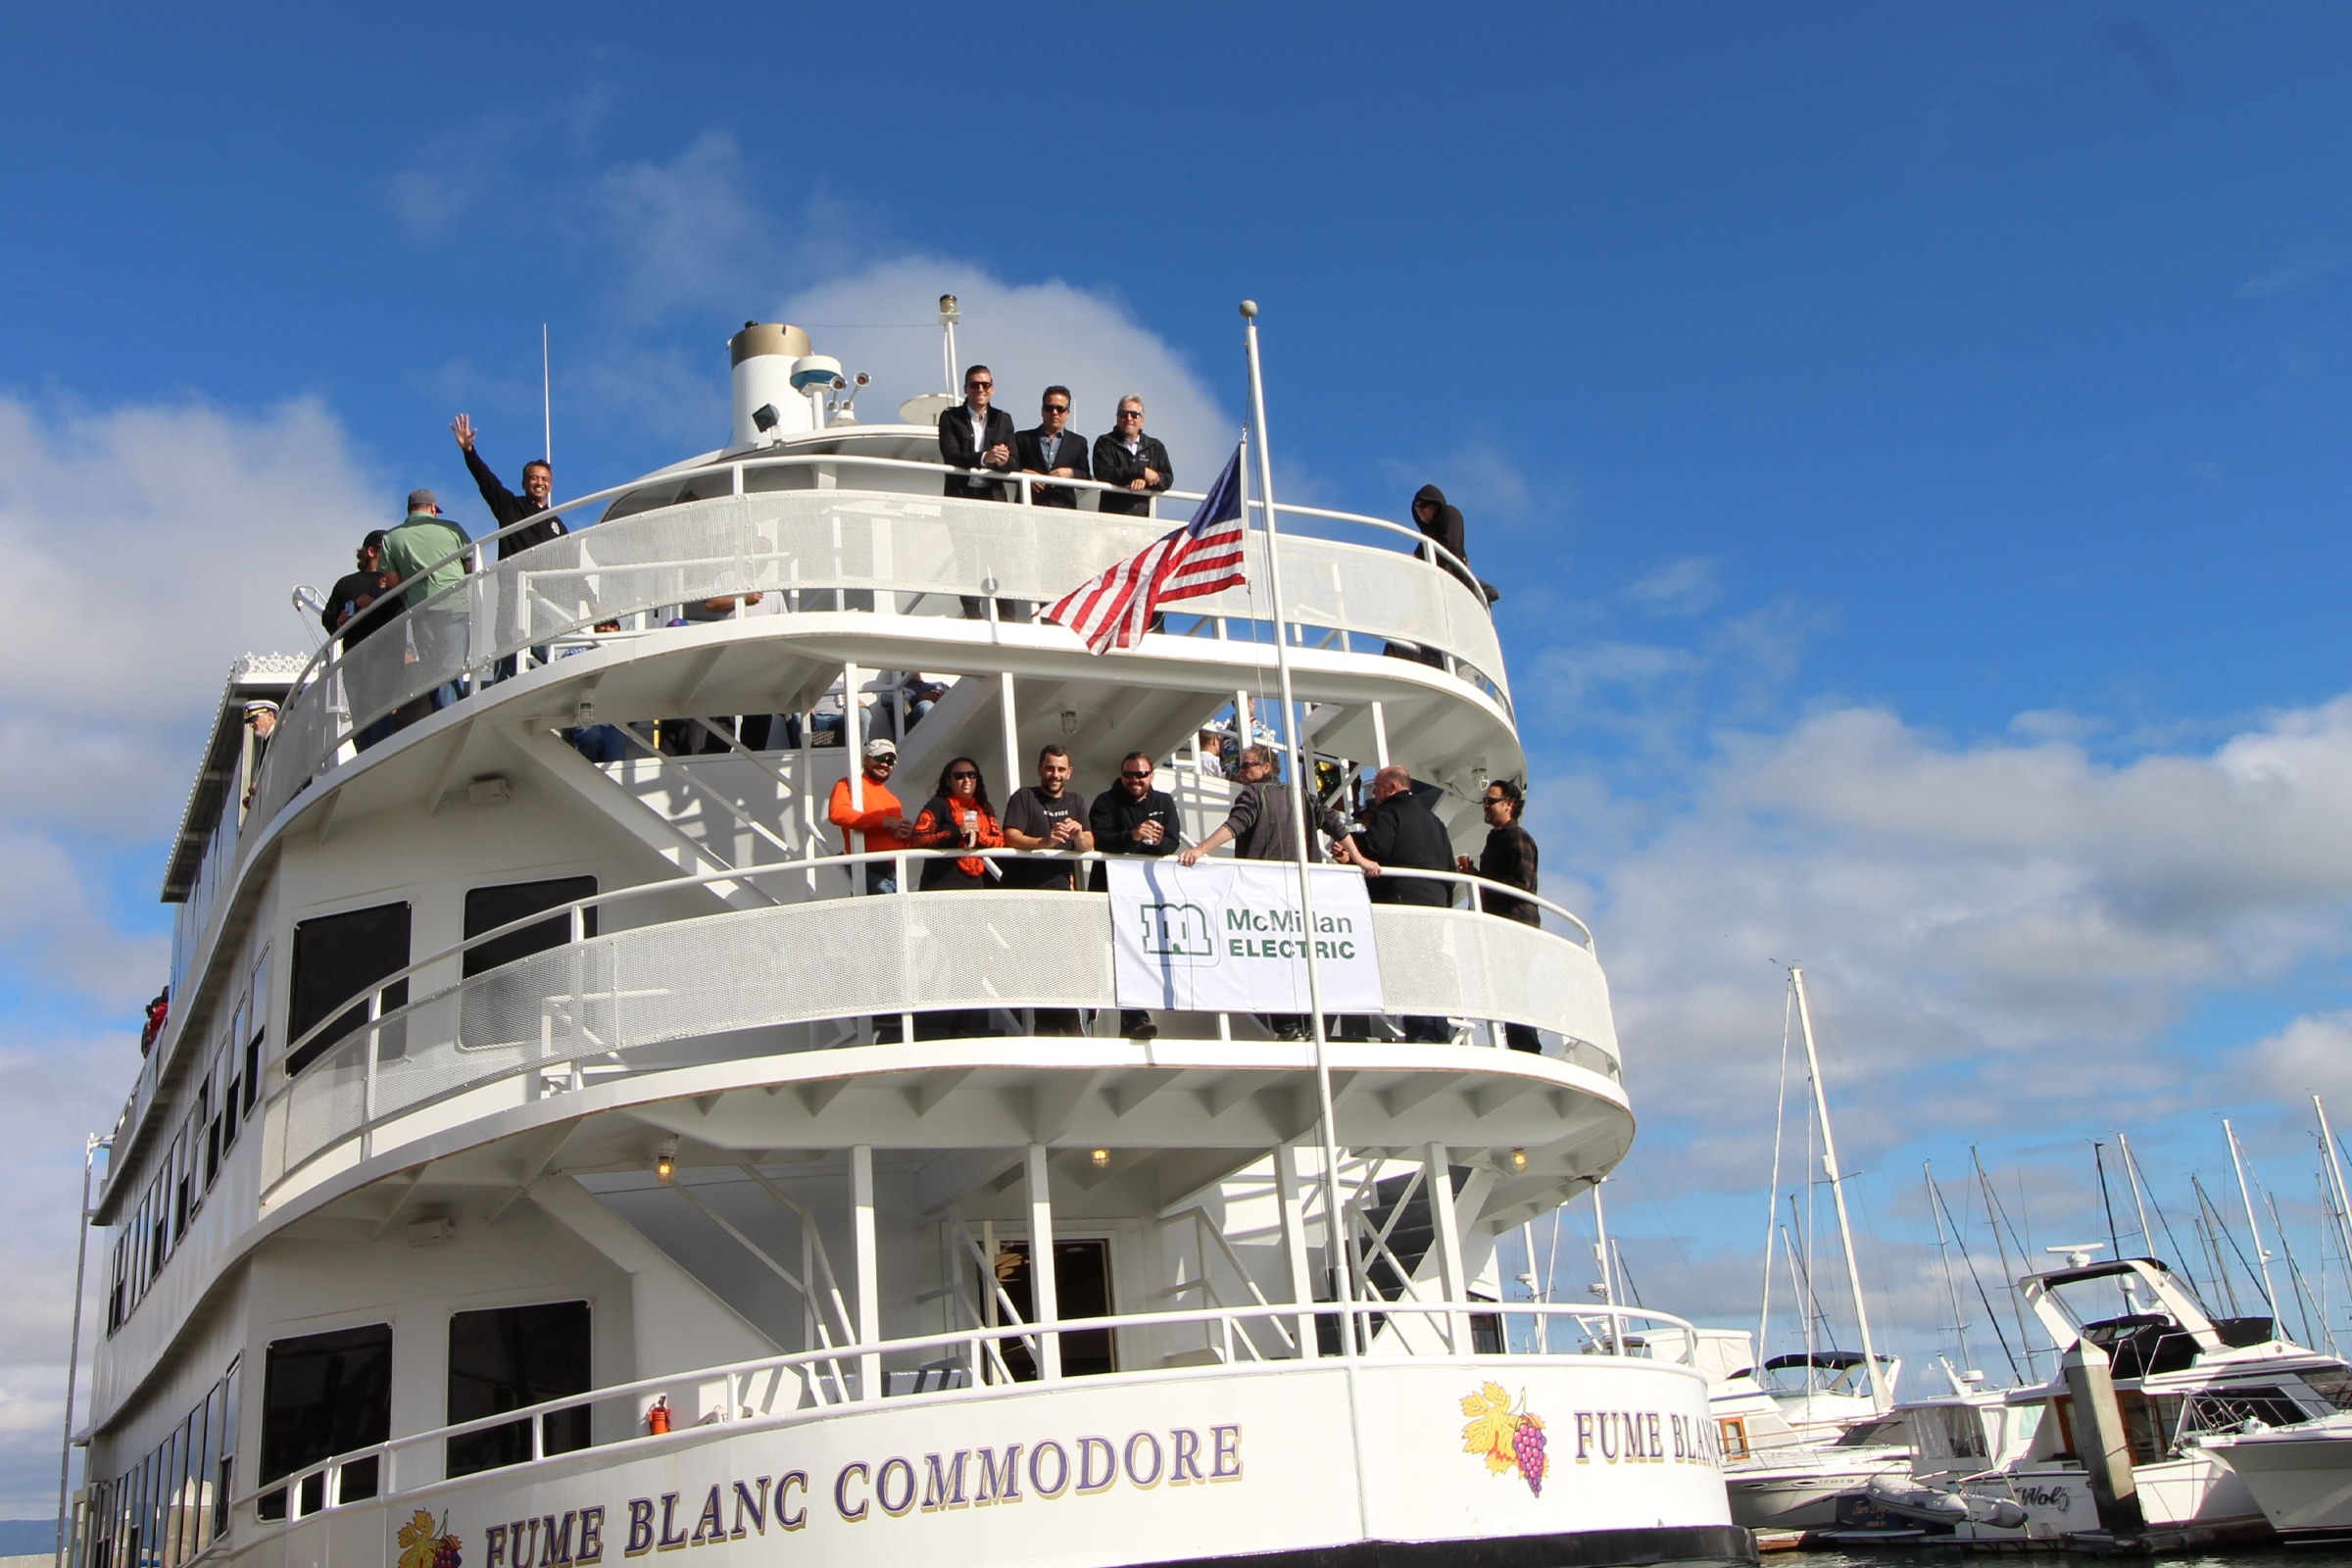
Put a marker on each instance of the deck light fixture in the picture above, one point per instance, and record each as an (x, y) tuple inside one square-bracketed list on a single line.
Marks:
[(665, 1163), (1102, 1158), (1518, 1161)]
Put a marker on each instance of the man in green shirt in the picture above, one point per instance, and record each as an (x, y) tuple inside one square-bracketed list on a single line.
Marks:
[(437, 631)]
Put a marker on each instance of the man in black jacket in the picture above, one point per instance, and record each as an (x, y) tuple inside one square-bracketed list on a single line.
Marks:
[(1053, 448), (1133, 461), (538, 484), (1508, 858), (976, 437), (1131, 817), (346, 612), (1402, 834)]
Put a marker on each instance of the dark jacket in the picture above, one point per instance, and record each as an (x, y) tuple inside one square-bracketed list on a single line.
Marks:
[(1403, 834), (1509, 856), (511, 508), (1115, 465), (348, 602), (1114, 817), (1447, 529), (957, 450), (1029, 456), (1261, 820)]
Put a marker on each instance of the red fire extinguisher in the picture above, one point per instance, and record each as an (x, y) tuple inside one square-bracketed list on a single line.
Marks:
[(657, 1416)]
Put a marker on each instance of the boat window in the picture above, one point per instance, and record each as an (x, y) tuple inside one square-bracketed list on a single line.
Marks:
[(488, 909), (324, 1395), (338, 957), (2229, 1409), (510, 1357)]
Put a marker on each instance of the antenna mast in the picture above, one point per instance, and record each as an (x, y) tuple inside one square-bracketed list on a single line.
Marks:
[(547, 404)]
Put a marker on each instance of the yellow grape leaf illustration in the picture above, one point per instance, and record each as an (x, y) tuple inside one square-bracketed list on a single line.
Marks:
[(419, 1542), (1488, 1433)]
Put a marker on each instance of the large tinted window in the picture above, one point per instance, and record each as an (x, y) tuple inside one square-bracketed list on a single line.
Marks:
[(508, 1358), (488, 909), (323, 1395), (338, 956)]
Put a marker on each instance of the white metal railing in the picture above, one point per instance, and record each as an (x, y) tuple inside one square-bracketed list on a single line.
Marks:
[(754, 1393), (457, 634), (569, 1015)]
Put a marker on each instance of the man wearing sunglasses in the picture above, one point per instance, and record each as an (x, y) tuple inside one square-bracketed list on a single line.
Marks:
[(1131, 817), (1053, 448), (977, 438), (1133, 461)]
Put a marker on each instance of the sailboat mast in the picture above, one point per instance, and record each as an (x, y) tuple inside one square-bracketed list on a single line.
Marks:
[(2140, 1205), (2261, 1253), (2334, 1168), (1880, 1397), (1951, 1291)]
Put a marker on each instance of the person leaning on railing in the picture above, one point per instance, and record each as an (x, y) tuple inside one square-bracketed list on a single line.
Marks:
[(345, 615), (882, 818), (958, 816), (422, 538), (1133, 461), (1053, 448), (1049, 818), (1401, 836), (1131, 817), (1509, 856), (1262, 826), (508, 508)]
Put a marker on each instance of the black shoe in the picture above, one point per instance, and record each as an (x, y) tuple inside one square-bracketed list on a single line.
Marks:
[(1139, 1026), (1291, 1032)]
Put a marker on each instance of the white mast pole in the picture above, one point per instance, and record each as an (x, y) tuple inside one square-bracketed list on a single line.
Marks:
[(1601, 1252), (546, 403), (2335, 1176), (1880, 1395), (2245, 1195), (1342, 1284), (81, 1259)]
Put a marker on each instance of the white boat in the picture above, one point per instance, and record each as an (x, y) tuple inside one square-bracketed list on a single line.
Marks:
[(523, 1180), (2180, 1377), (2300, 1473)]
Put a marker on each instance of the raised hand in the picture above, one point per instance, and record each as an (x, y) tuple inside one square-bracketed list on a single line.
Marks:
[(463, 429)]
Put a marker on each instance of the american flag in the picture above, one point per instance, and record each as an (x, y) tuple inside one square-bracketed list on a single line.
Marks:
[(1112, 609)]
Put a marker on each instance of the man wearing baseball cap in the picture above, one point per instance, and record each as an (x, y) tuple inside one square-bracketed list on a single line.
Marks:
[(412, 558), (881, 819)]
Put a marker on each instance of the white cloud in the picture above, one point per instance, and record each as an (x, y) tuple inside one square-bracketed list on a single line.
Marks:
[(1689, 586), (2012, 922), (1031, 335)]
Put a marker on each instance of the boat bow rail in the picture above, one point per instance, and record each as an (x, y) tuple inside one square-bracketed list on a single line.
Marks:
[(722, 985), (877, 547)]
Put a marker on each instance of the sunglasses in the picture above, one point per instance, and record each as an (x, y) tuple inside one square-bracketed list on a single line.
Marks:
[(980, 385), (1058, 408), (1125, 774), (964, 773), (1131, 413), (882, 761)]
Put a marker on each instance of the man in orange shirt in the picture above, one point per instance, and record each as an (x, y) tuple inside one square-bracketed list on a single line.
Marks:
[(883, 821)]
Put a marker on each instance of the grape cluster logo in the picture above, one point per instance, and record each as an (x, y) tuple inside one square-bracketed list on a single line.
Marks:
[(426, 1544), (1506, 1438)]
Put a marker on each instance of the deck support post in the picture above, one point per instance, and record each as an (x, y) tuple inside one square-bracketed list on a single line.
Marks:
[(869, 1271), (1290, 1195), (1438, 1180), (1045, 1302)]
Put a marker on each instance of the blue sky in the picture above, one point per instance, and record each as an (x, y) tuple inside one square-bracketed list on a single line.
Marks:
[(1909, 438)]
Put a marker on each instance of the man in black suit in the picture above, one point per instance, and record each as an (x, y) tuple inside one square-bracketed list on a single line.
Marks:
[(1053, 448), (1133, 461), (978, 438)]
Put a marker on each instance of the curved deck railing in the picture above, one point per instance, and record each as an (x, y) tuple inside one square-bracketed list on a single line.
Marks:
[(644, 998), (805, 1386), (769, 534)]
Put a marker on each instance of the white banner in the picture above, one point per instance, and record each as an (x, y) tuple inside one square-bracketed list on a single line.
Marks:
[(1227, 936)]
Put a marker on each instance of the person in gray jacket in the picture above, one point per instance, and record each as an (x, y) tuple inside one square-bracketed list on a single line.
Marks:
[(1260, 827)]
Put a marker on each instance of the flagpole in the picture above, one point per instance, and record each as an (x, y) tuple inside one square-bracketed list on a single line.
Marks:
[(1342, 1282)]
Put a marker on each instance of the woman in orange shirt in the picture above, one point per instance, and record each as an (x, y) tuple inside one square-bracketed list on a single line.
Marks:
[(958, 816)]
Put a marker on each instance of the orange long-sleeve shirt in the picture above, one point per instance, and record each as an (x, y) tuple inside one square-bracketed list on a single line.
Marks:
[(881, 809), (936, 828)]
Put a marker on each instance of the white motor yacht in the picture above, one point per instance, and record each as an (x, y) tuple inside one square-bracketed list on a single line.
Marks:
[(564, 1149)]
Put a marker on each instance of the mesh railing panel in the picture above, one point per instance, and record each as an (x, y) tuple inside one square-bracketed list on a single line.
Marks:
[(780, 540), (655, 996)]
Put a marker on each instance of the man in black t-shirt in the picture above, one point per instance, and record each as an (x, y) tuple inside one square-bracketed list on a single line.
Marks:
[(346, 612), (1131, 817), (1508, 858), (1403, 835), (1049, 818)]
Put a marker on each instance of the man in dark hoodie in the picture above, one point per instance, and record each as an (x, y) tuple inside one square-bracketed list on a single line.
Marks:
[(1444, 523)]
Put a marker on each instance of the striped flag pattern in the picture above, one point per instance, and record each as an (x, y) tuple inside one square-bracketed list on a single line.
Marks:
[(1112, 609)]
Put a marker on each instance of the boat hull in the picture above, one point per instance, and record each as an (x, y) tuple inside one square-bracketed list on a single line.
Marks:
[(2302, 1481), (1106, 1472)]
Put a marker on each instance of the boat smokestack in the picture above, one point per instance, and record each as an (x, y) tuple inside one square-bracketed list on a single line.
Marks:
[(767, 407)]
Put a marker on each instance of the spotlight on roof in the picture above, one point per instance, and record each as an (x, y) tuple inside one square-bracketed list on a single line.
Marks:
[(765, 417), (947, 312)]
